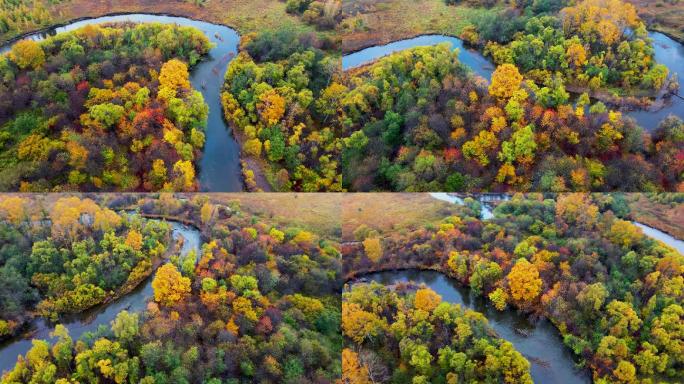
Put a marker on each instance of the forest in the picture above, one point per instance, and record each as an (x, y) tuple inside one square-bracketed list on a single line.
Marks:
[(261, 303), (613, 293), (442, 129), (71, 258), (102, 108), (396, 330)]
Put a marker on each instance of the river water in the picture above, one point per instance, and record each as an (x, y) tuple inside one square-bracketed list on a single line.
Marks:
[(544, 342), (551, 361), (667, 51), (90, 320), (219, 169)]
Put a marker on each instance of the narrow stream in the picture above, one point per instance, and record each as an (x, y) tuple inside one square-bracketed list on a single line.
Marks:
[(667, 51), (219, 168), (104, 314)]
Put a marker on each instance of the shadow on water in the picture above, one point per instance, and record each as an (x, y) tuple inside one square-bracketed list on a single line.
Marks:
[(219, 169)]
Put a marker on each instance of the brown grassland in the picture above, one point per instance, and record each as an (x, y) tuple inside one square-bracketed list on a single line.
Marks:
[(666, 16), (375, 22), (665, 217), (389, 212), (244, 15)]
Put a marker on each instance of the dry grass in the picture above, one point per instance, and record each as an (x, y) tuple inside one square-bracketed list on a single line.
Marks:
[(669, 219), (663, 15), (373, 22), (243, 15), (391, 212), (317, 212)]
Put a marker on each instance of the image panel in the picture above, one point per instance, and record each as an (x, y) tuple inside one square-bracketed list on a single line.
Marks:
[(493, 96), (211, 96), (545, 288), (194, 288)]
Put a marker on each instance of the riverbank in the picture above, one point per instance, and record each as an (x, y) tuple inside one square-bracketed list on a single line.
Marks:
[(666, 17), (131, 297), (245, 16), (537, 339), (662, 217)]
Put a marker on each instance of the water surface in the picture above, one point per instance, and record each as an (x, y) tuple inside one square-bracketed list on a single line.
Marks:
[(667, 51), (90, 320), (550, 360), (219, 168)]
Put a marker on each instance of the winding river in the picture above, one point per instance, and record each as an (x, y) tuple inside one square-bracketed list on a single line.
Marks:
[(90, 320), (541, 343), (551, 361), (219, 169), (667, 51)]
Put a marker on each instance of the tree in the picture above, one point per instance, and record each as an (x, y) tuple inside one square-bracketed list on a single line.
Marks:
[(27, 53), (174, 76), (506, 80), (134, 239), (499, 297), (14, 209), (353, 372), (170, 287), (427, 300), (360, 325), (524, 281), (373, 248), (125, 326)]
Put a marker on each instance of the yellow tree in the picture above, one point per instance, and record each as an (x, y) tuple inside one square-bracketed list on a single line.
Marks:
[(27, 53), (360, 325), (174, 75), (271, 107), (506, 80), (134, 239), (373, 248), (353, 372), (169, 285), (427, 299), (14, 209), (524, 281)]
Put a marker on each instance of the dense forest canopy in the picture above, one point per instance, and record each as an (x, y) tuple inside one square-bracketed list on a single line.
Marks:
[(261, 304), (102, 108), (404, 334), (614, 294), (439, 128), (273, 95), (71, 258)]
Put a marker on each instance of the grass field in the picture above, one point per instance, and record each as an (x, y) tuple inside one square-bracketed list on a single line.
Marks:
[(391, 212), (665, 217), (374, 22), (663, 15), (243, 15), (316, 212)]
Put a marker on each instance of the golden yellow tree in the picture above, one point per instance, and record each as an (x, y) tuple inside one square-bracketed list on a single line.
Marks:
[(427, 299), (14, 209), (169, 285), (174, 75), (524, 281), (373, 248), (353, 372), (27, 53), (506, 80)]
